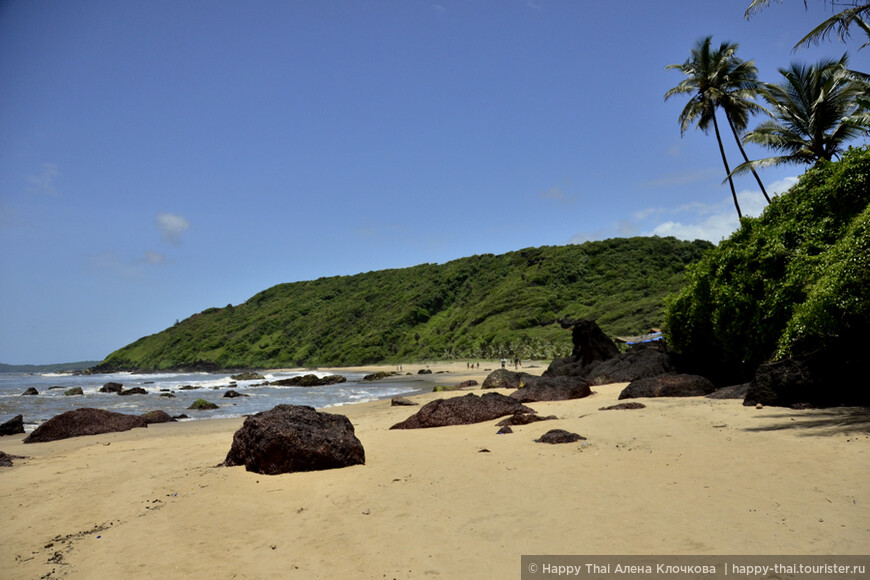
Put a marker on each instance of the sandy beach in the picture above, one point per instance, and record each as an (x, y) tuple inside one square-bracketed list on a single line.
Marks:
[(682, 476)]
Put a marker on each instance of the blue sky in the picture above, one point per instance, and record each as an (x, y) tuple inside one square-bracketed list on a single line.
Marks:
[(158, 158)]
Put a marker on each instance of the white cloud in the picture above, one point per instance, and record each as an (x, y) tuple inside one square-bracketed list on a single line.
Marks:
[(712, 222), (155, 258), (557, 194), (43, 184), (112, 263), (691, 221), (171, 227)]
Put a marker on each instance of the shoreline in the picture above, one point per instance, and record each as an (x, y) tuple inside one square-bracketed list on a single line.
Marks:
[(681, 476)]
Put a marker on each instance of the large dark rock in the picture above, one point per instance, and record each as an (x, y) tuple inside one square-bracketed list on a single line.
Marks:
[(730, 392), (157, 417), (310, 380), (785, 383), (553, 389), (111, 388), (590, 345), (85, 421), (555, 436), (818, 375), (30, 391), (292, 438), (672, 385), (73, 392), (463, 411), (13, 426), (231, 394), (505, 379), (133, 391), (639, 362)]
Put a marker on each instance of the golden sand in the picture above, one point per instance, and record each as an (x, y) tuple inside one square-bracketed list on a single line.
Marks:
[(682, 476)]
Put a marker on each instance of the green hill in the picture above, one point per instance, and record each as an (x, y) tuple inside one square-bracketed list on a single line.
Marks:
[(484, 306), (51, 368)]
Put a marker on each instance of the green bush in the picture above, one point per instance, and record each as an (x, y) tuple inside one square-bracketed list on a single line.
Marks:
[(795, 276)]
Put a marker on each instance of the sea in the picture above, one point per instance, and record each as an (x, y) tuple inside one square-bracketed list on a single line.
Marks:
[(51, 400)]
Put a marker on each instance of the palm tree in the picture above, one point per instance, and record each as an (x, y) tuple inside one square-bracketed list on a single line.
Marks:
[(839, 23), (717, 78), (816, 112)]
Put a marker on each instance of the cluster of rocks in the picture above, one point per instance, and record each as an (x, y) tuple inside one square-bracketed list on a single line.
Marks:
[(653, 371), (804, 380)]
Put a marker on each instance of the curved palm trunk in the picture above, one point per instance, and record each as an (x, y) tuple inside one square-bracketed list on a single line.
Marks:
[(745, 158), (727, 169)]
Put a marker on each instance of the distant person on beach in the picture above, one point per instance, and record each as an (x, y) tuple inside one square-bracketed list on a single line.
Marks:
[(503, 362)]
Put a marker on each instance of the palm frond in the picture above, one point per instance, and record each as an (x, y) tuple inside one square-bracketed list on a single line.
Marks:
[(837, 24)]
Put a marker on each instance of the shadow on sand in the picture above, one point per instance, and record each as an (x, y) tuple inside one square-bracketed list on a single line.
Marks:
[(821, 422)]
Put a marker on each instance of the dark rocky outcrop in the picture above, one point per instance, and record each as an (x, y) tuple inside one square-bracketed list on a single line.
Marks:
[(671, 385), (506, 430), (202, 405), (639, 362), (85, 421), (402, 402), (188, 388), (732, 392), (467, 384), (133, 391), (505, 379), (553, 389), (424, 372), (310, 380), (532, 388), (14, 426), (291, 438), (73, 392), (111, 388), (463, 411), (597, 358), (794, 381), (623, 407), (157, 417), (30, 391), (231, 394), (555, 436), (590, 345), (524, 419)]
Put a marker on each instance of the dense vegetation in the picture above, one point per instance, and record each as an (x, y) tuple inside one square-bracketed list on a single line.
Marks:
[(484, 306), (793, 281)]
